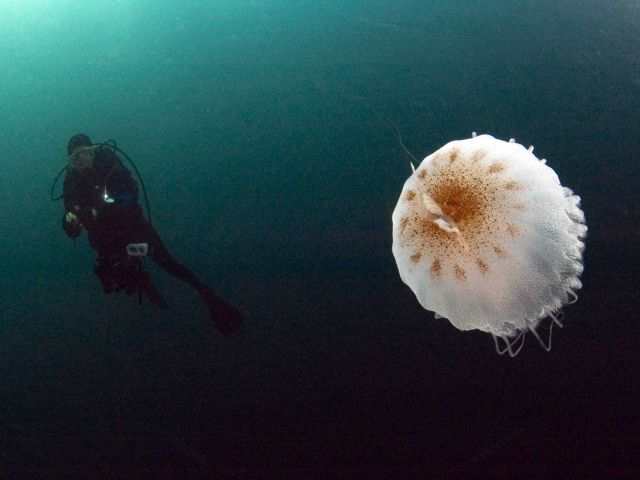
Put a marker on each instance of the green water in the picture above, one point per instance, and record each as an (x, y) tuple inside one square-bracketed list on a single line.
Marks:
[(261, 131)]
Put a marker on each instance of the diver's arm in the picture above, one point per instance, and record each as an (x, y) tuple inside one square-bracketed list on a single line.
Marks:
[(71, 225), (73, 221), (70, 222), (70, 193), (123, 187)]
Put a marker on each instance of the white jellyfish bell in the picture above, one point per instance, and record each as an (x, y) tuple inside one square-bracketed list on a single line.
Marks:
[(486, 237)]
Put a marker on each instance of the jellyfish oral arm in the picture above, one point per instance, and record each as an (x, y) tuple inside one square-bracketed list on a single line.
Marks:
[(433, 213)]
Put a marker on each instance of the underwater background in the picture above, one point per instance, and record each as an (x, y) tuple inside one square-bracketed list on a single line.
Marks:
[(261, 131)]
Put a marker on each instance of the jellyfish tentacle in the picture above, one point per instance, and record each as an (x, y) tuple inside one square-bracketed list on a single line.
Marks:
[(497, 344), (546, 346), (389, 123), (556, 319), (509, 345), (519, 338)]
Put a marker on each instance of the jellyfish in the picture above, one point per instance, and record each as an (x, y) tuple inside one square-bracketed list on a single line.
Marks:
[(486, 237)]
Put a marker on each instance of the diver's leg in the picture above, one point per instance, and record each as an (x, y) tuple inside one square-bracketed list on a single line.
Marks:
[(147, 287), (226, 317), (117, 274), (104, 273), (161, 256)]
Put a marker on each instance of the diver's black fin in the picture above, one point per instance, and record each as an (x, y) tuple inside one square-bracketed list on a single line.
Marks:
[(226, 317)]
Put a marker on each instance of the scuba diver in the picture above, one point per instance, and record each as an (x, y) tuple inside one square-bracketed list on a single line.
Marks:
[(101, 196)]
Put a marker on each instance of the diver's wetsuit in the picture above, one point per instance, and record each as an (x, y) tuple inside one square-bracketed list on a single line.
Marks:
[(104, 197)]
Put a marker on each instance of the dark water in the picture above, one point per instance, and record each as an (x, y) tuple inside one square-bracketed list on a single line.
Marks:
[(258, 129)]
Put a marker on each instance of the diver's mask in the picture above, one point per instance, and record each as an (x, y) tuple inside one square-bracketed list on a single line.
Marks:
[(83, 158)]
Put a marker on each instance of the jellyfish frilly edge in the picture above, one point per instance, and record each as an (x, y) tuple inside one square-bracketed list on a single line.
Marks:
[(487, 237)]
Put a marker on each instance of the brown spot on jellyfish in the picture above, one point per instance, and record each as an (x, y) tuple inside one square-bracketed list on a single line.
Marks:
[(478, 155), (459, 272), (496, 168), (513, 185), (482, 265), (491, 241), (404, 222), (436, 268), (513, 229)]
